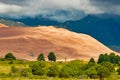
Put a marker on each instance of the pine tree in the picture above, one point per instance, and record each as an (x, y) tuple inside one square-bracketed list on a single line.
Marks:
[(92, 60)]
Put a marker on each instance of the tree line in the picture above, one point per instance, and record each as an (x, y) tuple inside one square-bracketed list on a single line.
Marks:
[(112, 58), (103, 68), (41, 57)]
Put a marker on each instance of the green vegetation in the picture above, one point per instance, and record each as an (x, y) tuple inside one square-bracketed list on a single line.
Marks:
[(52, 56), (118, 70), (41, 57), (10, 56), (112, 58), (38, 68), (92, 60), (72, 70)]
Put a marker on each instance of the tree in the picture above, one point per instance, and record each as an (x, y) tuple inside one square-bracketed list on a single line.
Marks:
[(91, 72), (10, 56), (92, 60), (103, 72), (108, 65), (41, 57), (89, 65), (53, 71), (52, 56), (118, 59), (103, 58), (118, 70), (114, 58)]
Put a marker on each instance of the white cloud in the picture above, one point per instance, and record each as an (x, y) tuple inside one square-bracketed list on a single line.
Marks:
[(74, 9), (6, 8)]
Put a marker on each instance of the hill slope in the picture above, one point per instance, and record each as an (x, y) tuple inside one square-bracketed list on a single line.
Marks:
[(22, 41), (2, 25)]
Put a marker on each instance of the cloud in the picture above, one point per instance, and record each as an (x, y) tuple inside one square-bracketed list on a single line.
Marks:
[(107, 6), (60, 10), (113, 2)]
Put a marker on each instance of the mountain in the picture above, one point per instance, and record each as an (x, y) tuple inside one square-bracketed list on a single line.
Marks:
[(36, 21), (106, 30), (66, 44), (9, 22)]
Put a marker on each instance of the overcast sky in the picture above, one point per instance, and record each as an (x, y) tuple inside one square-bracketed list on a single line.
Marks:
[(60, 10)]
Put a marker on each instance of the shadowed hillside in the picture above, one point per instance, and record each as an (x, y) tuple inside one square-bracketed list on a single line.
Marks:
[(9, 22)]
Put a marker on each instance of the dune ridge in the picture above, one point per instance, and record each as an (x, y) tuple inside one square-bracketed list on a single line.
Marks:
[(24, 41)]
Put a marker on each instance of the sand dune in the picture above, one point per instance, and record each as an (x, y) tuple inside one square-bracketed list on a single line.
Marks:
[(2, 25), (28, 43)]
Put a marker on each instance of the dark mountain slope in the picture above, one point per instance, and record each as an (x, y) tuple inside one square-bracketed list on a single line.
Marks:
[(106, 30), (37, 21), (9, 22)]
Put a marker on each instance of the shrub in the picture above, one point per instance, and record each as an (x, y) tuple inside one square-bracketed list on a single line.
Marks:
[(38, 68), (64, 72), (118, 70), (26, 72), (11, 62), (14, 71), (53, 71), (2, 59), (72, 69)]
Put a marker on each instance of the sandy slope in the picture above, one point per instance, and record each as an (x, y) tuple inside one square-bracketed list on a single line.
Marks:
[(23, 41), (2, 25)]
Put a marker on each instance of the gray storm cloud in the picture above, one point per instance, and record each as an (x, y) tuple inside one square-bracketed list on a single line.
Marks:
[(60, 10)]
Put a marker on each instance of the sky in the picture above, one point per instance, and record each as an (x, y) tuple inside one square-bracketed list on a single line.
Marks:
[(60, 10)]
